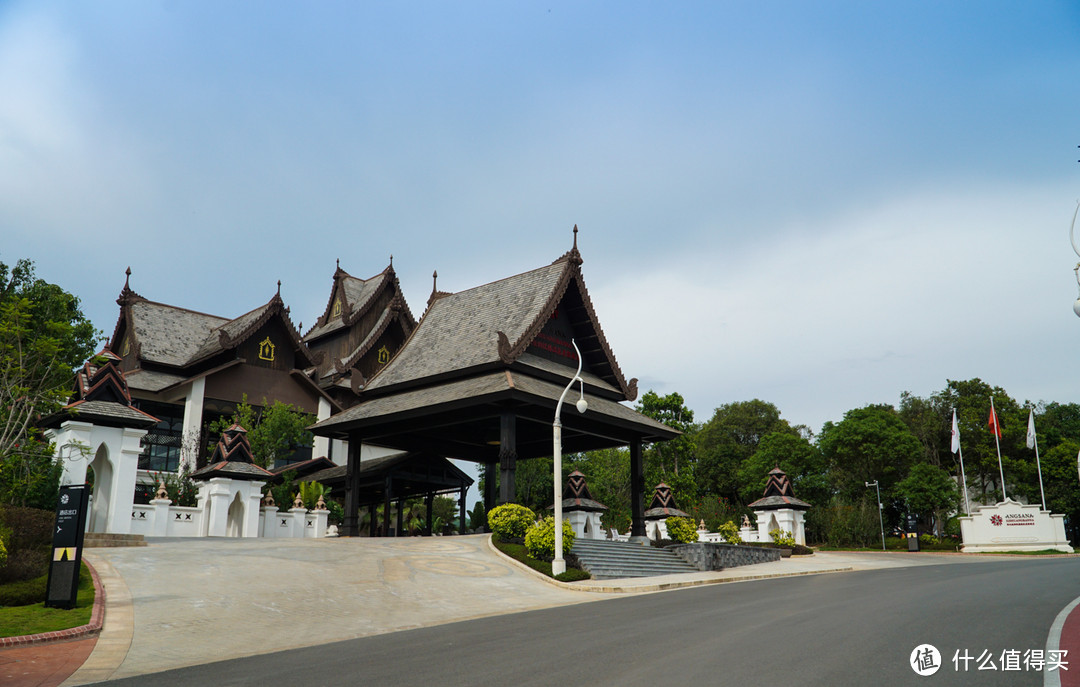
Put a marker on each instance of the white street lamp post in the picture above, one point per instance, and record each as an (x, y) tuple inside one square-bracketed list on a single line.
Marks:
[(881, 521), (558, 566)]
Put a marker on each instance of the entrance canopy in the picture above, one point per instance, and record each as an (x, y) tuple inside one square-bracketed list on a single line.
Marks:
[(480, 377)]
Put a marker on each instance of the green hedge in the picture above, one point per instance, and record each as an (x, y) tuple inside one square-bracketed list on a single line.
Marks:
[(510, 521)]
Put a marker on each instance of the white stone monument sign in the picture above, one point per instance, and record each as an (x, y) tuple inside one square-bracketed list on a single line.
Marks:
[(1013, 526)]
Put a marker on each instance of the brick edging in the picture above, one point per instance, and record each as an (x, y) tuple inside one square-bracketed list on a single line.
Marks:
[(97, 616)]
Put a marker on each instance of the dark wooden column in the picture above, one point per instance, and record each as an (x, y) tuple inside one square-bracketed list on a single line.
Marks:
[(461, 510), (400, 517), (637, 490), (507, 456), (386, 506), (350, 524), (490, 474), (430, 502)]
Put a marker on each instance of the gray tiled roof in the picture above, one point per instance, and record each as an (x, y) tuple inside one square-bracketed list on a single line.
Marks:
[(460, 330), (478, 387), (151, 380), (103, 413), (776, 502), (170, 335), (234, 469)]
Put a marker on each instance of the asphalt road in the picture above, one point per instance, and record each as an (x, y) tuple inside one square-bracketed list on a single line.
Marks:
[(854, 628)]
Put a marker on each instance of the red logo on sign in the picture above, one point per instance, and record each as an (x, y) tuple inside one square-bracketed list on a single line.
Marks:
[(995, 520)]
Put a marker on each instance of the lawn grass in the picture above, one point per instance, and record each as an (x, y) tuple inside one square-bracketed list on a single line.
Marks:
[(519, 553), (35, 618)]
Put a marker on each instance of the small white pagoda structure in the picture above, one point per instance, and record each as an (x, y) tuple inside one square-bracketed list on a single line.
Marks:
[(778, 509)]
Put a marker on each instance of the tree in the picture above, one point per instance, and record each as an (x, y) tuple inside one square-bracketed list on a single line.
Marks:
[(727, 440), (671, 461), (44, 337), (971, 398), (930, 492), (274, 431), (869, 444)]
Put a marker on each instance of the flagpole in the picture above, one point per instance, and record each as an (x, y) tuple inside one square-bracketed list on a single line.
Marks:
[(960, 452), (997, 442), (1035, 440)]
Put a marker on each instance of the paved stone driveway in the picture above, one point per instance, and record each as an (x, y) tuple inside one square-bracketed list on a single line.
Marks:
[(199, 600)]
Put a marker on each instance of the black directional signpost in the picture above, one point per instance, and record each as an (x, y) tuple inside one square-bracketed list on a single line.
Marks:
[(67, 546)]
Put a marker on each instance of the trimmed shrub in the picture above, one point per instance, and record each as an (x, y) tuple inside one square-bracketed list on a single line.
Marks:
[(782, 538), (3, 552), (27, 536), (540, 539), (730, 532), (510, 521), (681, 530), (573, 575)]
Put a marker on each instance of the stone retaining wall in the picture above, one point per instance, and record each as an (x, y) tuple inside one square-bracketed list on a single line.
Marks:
[(710, 556)]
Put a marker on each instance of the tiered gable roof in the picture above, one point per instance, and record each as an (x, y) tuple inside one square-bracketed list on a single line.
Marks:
[(101, 396), (351, 298), (502, 324), (663, 504), (232, 458), (358, 315), (169, 336), (778, 494), (578, 497)]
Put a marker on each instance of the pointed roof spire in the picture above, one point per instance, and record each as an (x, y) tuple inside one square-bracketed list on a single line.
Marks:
[(575, 237), (391, 261), (279, 288), (127, 277), (435, 281)]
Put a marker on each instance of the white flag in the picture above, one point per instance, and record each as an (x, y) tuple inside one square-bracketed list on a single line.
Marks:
[(955, 433), (1031, 428)]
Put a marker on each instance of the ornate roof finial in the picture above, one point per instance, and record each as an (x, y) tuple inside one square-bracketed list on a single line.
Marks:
[(435, 281), (127, 276), (337, 263), (575, 238), (391, 261), (279, 287)]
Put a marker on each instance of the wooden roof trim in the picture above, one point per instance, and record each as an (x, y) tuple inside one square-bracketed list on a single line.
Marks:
[(509, 351), (387, 318), (275, 307)]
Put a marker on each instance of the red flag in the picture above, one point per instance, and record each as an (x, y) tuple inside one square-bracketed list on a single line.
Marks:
[(992, 423)]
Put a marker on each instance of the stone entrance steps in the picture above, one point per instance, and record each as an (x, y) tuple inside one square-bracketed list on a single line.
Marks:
[(93, 540), (607, 560)]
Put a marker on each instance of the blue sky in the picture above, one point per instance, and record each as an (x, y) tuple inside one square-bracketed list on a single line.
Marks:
[(818, 204)]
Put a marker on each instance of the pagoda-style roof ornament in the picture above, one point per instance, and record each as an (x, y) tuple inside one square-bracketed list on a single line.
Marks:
[(663, 504), (232, 458), (268, 500), (435, 293), (778, 493), (100, 395), (162, 492), (577, 496)]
